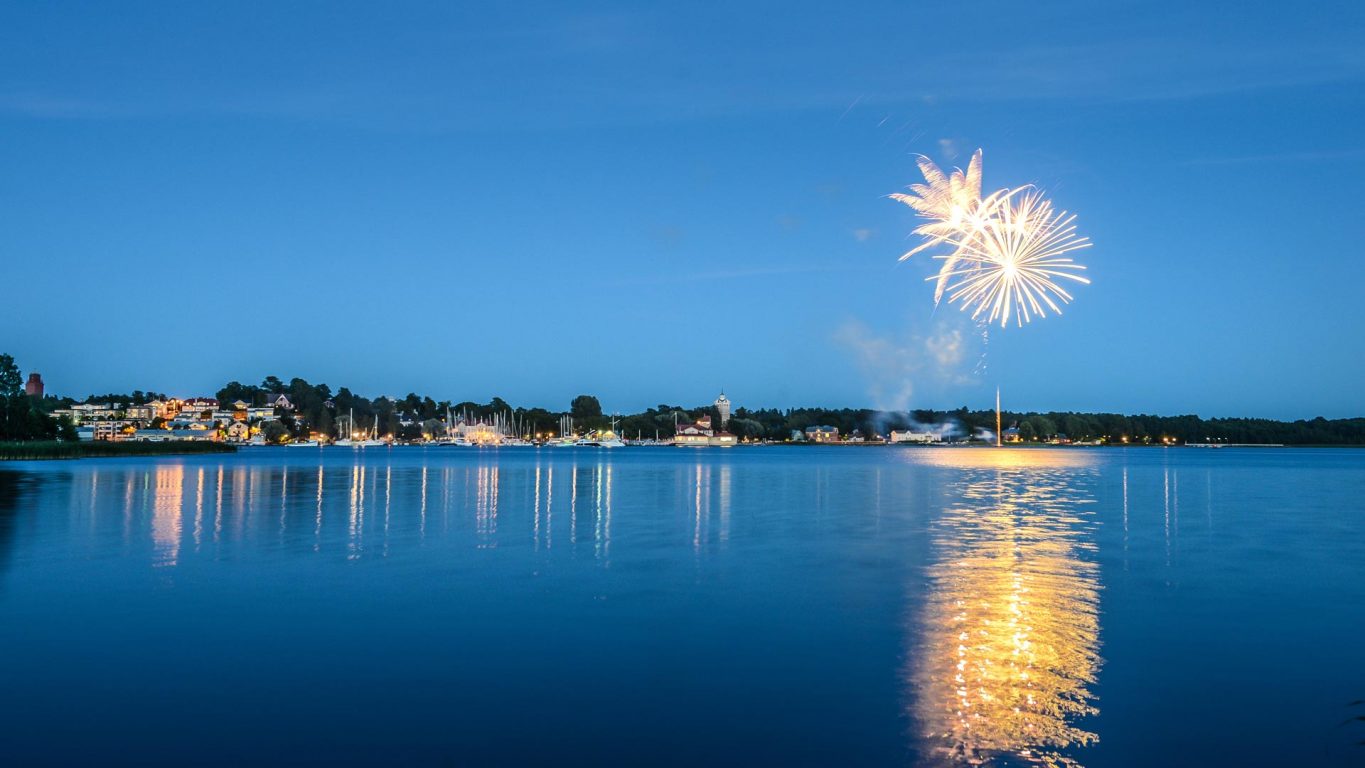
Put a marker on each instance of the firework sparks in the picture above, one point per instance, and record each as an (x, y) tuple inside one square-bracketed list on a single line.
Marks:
[(1010, 267), (1007, 249)]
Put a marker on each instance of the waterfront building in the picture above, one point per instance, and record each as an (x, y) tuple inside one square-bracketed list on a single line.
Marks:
[(697, 433), (162, 435), (34, 387), (280, 401), (112, 431), (238, 431), (260, 413), (700, 434), (911, 436), (822, 434), (139, 413), (478, 433)]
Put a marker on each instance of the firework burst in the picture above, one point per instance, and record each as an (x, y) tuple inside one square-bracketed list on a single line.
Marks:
[(1010, 267), (1007, 250)]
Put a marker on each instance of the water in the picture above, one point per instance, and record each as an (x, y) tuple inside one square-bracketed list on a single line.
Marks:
[(797, 606)]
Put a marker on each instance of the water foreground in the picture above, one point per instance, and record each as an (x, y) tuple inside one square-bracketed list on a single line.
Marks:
[(778, 606)]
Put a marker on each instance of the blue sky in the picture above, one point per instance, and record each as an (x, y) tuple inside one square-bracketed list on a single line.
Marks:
[(535, 201)]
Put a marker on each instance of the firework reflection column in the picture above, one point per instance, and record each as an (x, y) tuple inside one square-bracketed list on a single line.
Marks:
[(1009, 633)]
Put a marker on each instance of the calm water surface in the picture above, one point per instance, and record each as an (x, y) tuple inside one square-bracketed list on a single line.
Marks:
[(775, 606)]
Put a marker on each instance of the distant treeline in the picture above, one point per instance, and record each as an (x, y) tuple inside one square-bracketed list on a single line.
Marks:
[(1151, 428), (317, 408)]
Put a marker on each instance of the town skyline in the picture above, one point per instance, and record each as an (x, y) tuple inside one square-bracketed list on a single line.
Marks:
[(644, 403), (297, 411)]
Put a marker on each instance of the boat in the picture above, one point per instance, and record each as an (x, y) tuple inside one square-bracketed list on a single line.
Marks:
[(604, 439), (349, 440), (303, 444), (566, 437), (373, 440)]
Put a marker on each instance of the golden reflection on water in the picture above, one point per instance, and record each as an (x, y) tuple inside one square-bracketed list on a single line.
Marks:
[(167, 498), (1013, 459), (1011, 625), (486, 504), (362, 507), (602, 517)]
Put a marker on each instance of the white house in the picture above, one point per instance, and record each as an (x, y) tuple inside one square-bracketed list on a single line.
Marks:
[(701, 434), (910, 436)]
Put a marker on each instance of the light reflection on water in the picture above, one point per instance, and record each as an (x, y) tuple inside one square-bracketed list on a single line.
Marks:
[(1009, 645), (370, 502), (816, 607), (1006, 640)]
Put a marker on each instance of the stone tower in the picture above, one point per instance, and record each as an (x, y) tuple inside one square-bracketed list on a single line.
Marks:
[(723, 407), (34, 387)]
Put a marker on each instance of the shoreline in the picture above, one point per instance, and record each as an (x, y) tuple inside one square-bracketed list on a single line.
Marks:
[(59, 451), (45, 450)]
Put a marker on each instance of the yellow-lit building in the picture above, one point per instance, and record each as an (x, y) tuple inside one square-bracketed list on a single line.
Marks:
[(822, 434)]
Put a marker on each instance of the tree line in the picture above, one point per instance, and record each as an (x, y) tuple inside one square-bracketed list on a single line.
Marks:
[(319, 409), (424, 414)]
